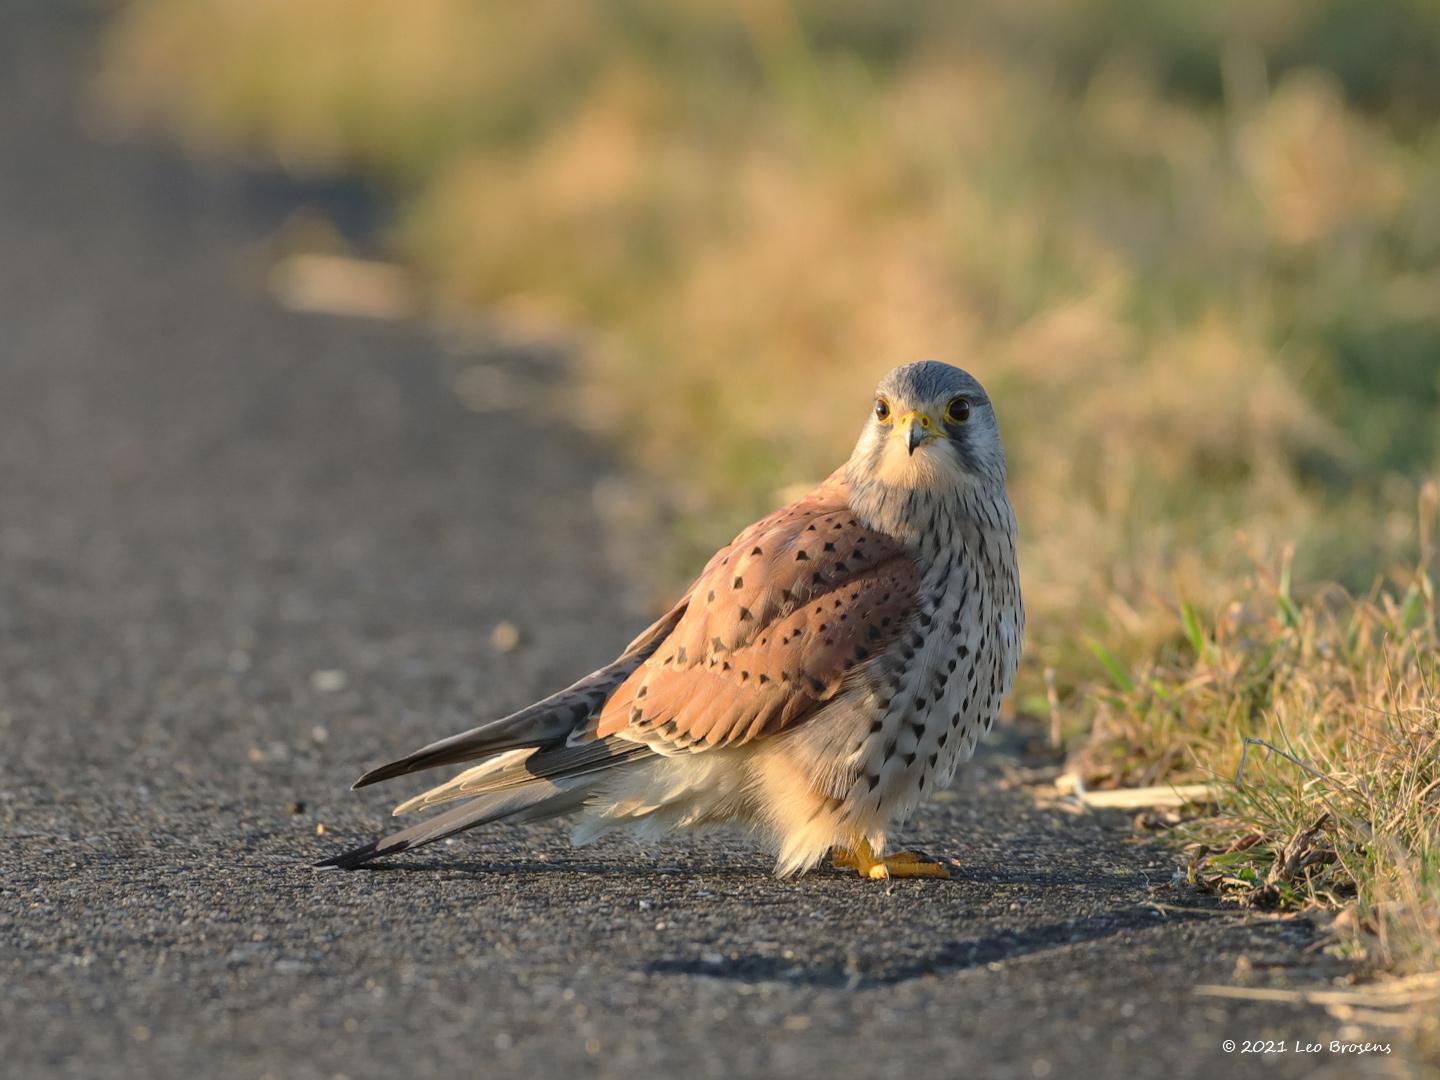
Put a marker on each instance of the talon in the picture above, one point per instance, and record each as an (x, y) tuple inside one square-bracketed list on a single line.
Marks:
[(912, 864), (918, 868)]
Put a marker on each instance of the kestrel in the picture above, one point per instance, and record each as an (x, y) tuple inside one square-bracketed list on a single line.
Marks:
[(828, 668)]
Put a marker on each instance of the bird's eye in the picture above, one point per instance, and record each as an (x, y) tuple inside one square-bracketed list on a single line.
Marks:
[(882, 410), (958, 411)]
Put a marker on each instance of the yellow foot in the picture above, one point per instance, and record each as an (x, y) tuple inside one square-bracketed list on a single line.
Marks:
[(913, 864)]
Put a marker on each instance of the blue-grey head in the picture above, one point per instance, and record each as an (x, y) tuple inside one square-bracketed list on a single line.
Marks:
[(931, 428)]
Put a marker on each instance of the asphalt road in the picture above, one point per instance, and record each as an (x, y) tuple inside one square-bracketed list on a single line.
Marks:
[(246, 553)]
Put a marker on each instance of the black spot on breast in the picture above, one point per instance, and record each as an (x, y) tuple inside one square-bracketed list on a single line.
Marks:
[(641, 692), (756, 551), (739, 583), (829, 546)]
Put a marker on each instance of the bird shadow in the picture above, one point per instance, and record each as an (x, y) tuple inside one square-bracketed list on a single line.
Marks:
[(946, 958)]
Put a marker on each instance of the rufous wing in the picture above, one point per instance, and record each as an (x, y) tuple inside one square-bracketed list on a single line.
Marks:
[(772, 629)]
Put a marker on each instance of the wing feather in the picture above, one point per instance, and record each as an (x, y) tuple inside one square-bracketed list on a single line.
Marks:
[(775, 625)]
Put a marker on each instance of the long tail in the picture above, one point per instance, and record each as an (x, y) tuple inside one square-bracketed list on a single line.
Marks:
[(538, 763), (529, 803), (521, 786)]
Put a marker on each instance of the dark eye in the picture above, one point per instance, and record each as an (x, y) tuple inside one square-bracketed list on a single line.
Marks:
[(958, 411), (882, 410)]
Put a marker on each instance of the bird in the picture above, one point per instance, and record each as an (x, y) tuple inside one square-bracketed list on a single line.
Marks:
[(827, 670)]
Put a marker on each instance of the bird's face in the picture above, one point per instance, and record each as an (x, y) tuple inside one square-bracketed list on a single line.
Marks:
[(931, 428)]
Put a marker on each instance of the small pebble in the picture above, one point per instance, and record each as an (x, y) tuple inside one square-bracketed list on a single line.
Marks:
[(328, 681), (505, 637)]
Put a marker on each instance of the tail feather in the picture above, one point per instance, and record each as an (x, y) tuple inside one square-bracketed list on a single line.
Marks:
[(538, 785), (519, 767), (502, 770), (539, 800)]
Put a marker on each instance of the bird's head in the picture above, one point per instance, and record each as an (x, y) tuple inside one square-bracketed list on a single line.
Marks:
[(931, 428)]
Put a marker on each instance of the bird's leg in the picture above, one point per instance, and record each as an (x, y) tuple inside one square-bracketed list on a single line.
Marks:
[(861, 858)]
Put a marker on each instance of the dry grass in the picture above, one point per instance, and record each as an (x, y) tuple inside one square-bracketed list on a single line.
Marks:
[(1193, 250), (1326, 714)]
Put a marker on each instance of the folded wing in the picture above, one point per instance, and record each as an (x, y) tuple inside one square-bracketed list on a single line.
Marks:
[(775, 626)]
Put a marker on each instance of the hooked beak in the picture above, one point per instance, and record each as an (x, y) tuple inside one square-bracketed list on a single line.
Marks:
[(918, 429)]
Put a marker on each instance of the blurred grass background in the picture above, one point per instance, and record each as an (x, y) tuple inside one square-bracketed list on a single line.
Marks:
[(1193, 250)]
